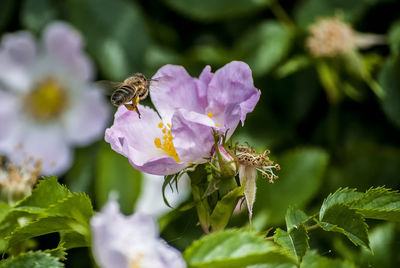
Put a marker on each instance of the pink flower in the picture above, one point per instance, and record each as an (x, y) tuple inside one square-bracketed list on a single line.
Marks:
[(47, 101), (120, 241), (189, 109)]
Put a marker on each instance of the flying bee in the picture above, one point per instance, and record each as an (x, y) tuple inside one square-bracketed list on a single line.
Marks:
[(129, 92)]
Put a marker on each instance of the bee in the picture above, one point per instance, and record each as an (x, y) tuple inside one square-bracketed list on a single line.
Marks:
[(129, 92)]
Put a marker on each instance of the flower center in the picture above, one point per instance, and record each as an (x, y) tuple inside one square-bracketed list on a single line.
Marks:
[(210, 114), (46, 100), (166, 143), (135, 262)]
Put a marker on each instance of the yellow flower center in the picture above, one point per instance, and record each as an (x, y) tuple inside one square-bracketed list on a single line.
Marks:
[(135, 262), (210, 114), (46, 100), (166, 142)]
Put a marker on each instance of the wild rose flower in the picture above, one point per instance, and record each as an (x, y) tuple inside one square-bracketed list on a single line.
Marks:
[(189, 109), (47, 102), (121, 241)]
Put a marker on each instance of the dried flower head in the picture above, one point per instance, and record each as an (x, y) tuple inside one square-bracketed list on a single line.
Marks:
[(17, 181), (331, 37), (247, 156)]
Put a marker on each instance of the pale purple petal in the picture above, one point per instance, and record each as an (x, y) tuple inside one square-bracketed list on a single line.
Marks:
[(232, 86), (172, 89), (193, 136), (134, 138), (48, 144), (65, 43), (10, 124), (87, 118), (202, 85), (17, 55)]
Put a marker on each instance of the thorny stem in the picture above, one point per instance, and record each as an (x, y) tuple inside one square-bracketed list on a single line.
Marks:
[(309, 228), (281, 15)]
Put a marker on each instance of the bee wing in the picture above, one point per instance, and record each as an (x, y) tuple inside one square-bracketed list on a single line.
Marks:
[(107, 86)]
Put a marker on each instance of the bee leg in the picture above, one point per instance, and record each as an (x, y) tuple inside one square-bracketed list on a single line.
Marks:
[(133, 106)]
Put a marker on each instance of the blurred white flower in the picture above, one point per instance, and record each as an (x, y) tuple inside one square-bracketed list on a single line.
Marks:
[(151, 201), (120, 241), (47, 100)]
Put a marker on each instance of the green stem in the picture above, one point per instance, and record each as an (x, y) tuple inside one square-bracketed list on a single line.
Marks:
[(281, 15)]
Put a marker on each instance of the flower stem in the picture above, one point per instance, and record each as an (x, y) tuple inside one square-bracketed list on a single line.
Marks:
[(281, 15)]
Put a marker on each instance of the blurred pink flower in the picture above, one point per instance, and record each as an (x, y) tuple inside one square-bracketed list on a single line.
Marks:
[(189, 109), (47, 100), (120, 241)]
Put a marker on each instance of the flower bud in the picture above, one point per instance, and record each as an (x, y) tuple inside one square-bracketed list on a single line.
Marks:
[(225, 162)]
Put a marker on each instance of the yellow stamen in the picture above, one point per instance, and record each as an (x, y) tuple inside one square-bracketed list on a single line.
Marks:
[(210, 114), (166, 144), (46, 100)]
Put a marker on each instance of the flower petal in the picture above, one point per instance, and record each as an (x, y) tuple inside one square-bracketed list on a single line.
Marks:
[(172, 89), (134, 138), (87, 117), (10, 123), (48, 144), (17, 54), (202, 85), (65, 43), (193, 137), (231, 94)]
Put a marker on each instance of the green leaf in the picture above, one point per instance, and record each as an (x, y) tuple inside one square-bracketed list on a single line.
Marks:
[(44, 226), (59, 252), (77, 206), (343, 219), (31, 260), (114, 173), (293, 65), (389, 79), (295, 241), (4, 209), (264, 46), (210, 10), (313, 260), (300, 178), (116, 35), (72, 239), (329, 79), (345, 195), (224, 209), (379, 203), (294, 217), (394, 38), (6, 11), (234, 248), (36, 14), (47, 192)]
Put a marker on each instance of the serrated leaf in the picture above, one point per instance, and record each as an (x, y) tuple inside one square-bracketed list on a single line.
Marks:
[(345, 195), (11, 221), (77, 206), (59, 252), (114, 173), (313, 260), (234, 248), (224, 209), (294, 217), (44, 226), (295, 241), (264, 46), (300, 177), (343, 219), (216, 10), (47, 192), (72, 239), (31, 260), (379, 203), (389, 79)]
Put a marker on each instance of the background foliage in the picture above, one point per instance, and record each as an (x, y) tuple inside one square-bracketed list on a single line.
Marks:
[(321, 145)]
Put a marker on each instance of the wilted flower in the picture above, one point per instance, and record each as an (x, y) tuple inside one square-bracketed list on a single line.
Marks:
[(189, 108), (331, 37), (121, 241), (47, 102), (251, 162), (16, 182)]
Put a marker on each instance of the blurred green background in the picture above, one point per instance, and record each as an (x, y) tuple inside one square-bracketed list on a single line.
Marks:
[(321, 143)]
